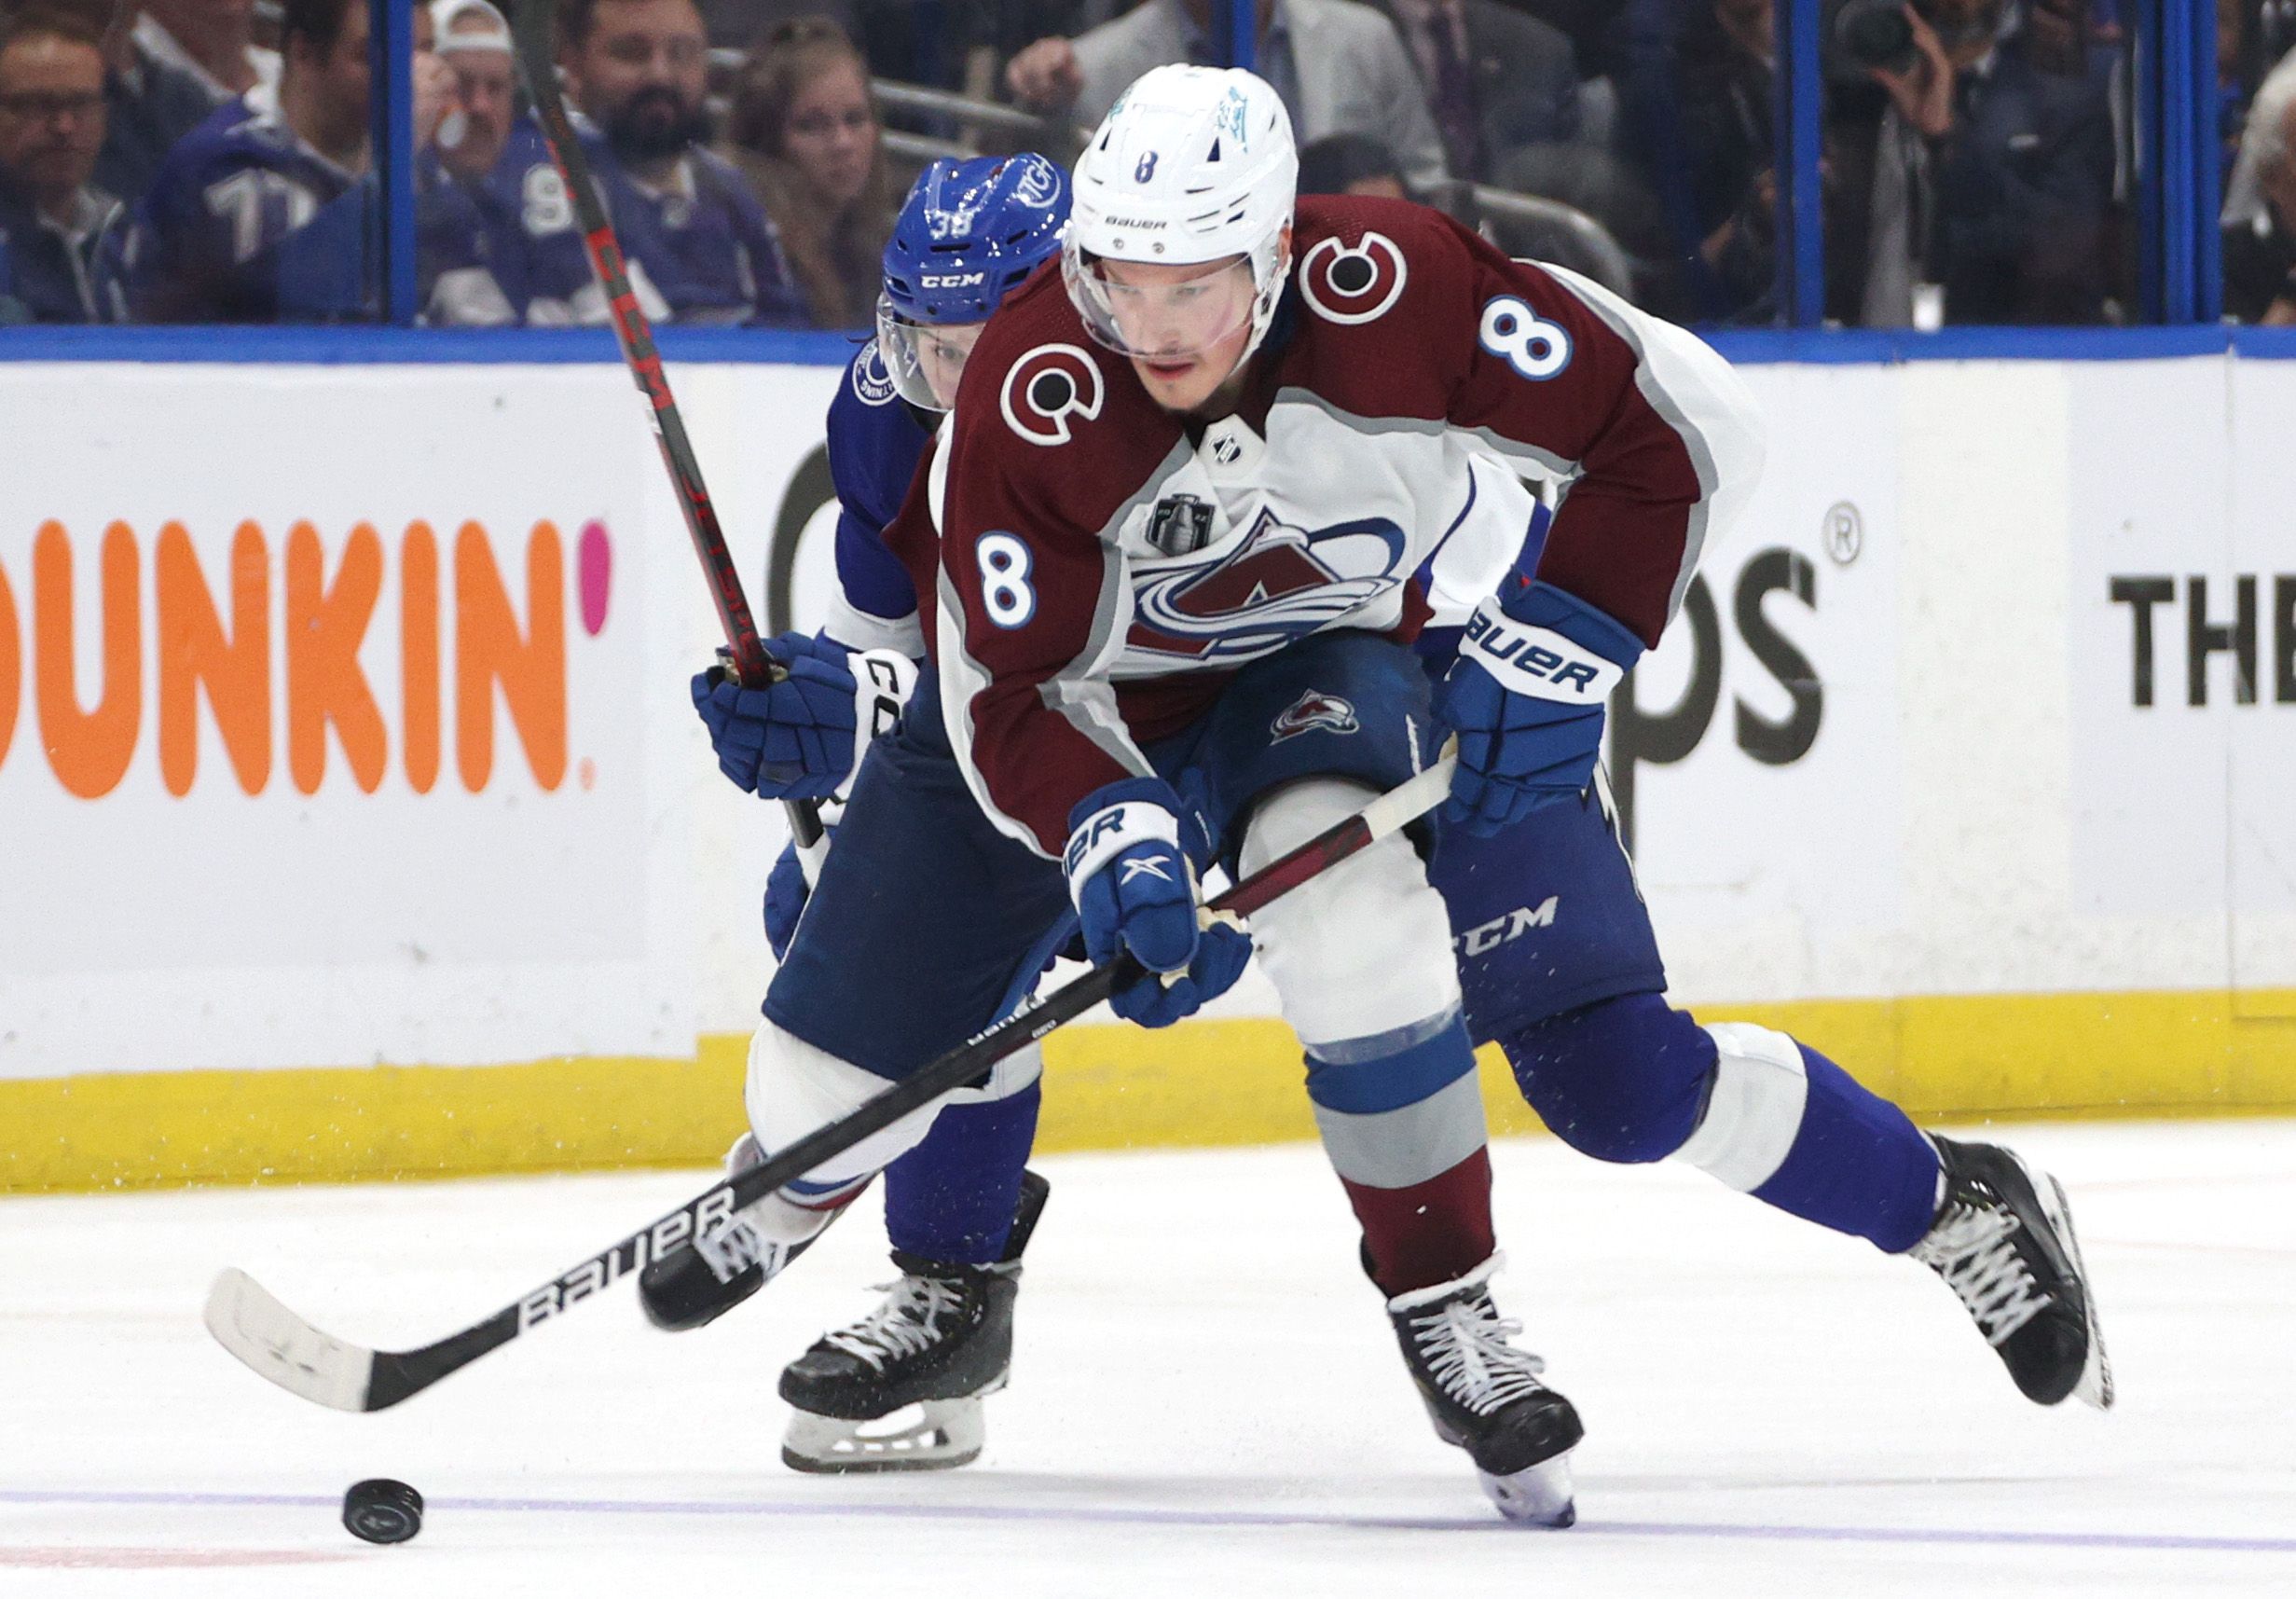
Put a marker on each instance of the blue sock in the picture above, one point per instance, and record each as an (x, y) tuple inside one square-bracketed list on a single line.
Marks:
[(952, 1197), (1858, 1165)]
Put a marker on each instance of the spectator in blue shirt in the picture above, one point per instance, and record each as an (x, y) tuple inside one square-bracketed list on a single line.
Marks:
[(476, 256), (698, 243), (52, 219), (263, 214)]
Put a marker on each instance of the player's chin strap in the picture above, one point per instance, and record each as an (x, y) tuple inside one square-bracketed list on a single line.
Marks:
[(275, 1343)]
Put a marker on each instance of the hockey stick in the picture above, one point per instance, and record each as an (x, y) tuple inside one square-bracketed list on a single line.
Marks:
[(275, 1343), (534, 26)]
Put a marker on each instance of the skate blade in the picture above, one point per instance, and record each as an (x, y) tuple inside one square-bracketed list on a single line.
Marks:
[(944, 1435), (2095, 1388), (1537, 1495)]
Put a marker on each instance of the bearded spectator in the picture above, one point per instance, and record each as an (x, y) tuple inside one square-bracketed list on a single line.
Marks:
[(698, 245)]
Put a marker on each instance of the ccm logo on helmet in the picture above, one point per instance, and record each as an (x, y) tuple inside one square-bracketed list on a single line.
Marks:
[(953, 280), (1354, 285), (1047, 386)]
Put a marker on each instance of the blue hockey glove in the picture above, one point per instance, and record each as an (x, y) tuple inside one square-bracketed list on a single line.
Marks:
[(785, 893), (796, 738), (1526, 697), (1134, 890)]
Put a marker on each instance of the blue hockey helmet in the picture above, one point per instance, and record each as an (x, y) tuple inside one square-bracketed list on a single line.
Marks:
[(967, 235)]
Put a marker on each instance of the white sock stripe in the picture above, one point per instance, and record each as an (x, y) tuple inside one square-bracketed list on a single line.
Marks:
[(1405, 1147), (1754, 1112)]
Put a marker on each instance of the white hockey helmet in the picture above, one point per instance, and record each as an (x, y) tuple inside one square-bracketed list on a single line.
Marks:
[(1192, 164)]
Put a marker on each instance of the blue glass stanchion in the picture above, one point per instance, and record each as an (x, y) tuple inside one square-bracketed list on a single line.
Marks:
[(2207, 182), (1801, 218), (1235, 33), (2176, 134), (390, 139)]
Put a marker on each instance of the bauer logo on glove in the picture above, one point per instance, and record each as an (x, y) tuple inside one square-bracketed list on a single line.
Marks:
[(1526, 698), (1135, 889)]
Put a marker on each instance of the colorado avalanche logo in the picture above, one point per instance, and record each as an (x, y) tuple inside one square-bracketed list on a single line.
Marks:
[(872, 385), (1314, 711), (1047, 386), (1280, 583), (1354, 285)]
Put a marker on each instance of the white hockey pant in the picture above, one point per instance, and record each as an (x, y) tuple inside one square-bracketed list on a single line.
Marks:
[(1360, 951), (794, 1088)]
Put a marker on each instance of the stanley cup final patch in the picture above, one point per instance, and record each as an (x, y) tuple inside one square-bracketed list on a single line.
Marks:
[(1314, 712)]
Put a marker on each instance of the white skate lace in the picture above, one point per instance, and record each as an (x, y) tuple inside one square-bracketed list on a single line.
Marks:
[(907, 1323), (1974, 1252), (1464, 1344), (730, 1249)]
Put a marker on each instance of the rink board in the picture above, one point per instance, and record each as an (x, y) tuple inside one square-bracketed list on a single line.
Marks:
[(353, 820)]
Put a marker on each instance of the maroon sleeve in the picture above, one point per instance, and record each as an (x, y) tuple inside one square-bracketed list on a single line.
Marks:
[(1034, 600), (1644, 423)]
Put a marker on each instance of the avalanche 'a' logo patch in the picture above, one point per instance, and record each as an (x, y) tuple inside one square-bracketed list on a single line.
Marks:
[(1352, 285), (1277, 584), (1314, 711), (1046, 387)]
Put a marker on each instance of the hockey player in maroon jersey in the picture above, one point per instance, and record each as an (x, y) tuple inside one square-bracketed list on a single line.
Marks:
[(1197, 499)]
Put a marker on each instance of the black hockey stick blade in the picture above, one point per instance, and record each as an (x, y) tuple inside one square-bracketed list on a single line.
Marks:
[(275, 1343)]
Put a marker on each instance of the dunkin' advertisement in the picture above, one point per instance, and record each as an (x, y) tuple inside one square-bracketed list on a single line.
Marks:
[(324, 720)]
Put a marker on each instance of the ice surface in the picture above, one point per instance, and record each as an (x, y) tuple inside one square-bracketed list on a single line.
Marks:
[(1204, 1398)]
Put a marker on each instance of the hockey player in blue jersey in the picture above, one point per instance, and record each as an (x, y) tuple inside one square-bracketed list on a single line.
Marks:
[(264, 213), (1575, 1002), (958, 1208), (699, 245)]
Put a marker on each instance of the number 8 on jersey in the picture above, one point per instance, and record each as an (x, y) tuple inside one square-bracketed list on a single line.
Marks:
[(1004, 579)]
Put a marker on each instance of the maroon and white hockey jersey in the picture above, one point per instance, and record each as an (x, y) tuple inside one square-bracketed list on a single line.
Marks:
[(1091, 568)]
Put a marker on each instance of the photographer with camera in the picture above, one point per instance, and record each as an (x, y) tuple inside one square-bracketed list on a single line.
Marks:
[(1994, 170)]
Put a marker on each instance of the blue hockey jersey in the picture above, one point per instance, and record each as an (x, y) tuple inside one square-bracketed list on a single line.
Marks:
[(246, 222), (875, 440), (481, 265), (702, 250)]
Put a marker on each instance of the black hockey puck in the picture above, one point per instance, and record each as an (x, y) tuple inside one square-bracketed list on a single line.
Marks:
[(381, 1510)]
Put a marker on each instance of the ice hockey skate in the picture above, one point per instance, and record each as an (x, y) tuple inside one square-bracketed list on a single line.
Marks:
[(1484, 1396), (2003, 1241), (937, 1344), (692, 1286)]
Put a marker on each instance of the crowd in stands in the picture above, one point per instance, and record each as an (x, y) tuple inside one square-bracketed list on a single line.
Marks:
[(207, 161)]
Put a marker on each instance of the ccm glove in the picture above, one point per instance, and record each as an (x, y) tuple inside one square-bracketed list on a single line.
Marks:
[(1135, 889), (798, 736), (1526, 698)]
